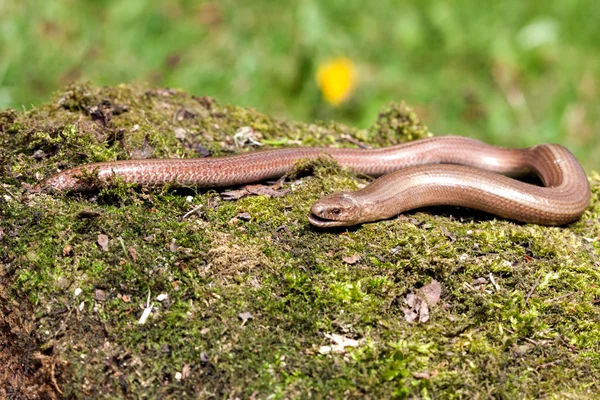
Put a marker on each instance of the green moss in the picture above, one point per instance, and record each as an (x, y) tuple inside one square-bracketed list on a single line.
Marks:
[(532, 332)]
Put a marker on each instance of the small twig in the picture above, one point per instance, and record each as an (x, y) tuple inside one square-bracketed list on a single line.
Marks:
[(9, 192), (63, 325), (531, 341), (537, 281), (494, 282), (548, 364), (525, 338), (53, 377), (559, 297), (354, 141), (193, 210)]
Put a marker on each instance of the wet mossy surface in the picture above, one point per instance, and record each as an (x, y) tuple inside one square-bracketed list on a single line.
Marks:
[(245, 293)]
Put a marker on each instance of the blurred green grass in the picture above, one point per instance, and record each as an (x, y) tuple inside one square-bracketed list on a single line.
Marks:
[(512, 72)]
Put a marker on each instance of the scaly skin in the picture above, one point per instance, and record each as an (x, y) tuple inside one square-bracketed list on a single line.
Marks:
[(445, 170)]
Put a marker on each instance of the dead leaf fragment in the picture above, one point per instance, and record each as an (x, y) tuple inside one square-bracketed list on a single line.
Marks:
[(353, 259), (244, 216), (185, 372), (266, 191), (426, 374), (145, 151), (233, 221), (180, 133), (262, 190), (103, 242), (132, 253), (234, 194), (162, 297), (100, 295), (339, 344), (204, 357), (422, 375), (418, 304), (245, 316), (417, 309), (431, 292)]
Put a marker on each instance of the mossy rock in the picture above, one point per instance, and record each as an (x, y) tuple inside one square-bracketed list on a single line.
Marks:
[(245, 296)]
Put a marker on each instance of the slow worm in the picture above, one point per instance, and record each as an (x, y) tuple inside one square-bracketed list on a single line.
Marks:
[(444, 170)]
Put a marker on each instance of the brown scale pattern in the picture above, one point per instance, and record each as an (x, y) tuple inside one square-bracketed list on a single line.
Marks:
[(445, 170)]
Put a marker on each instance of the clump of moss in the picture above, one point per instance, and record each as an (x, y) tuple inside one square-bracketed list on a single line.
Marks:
[(245, 296), (397, 123)]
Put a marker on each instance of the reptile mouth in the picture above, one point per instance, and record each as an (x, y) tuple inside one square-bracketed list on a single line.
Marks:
[(323, 222)]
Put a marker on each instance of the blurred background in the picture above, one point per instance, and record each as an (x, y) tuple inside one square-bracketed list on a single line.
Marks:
[(510, 72)]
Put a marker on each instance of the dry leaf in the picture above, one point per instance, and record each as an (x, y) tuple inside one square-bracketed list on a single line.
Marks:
[(100, 295), (410, 315), (162, 297), (132, 253), (431, 292), (233, 221), (245, 316), (266, 190), (180, 133), (248, 190), (418, 304), (353, 259), (185, 372), (340, 344), (422, 375), (143, 152), (244, 216), (234, 194), (278, 185), (103, 241)]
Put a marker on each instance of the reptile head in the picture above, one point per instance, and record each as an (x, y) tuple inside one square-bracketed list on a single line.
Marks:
[(338, 209)]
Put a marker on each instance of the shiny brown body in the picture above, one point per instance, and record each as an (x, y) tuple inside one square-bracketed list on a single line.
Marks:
[(470, 177)]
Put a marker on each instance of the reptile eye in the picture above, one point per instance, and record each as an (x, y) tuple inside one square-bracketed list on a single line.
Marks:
[(336, 211)]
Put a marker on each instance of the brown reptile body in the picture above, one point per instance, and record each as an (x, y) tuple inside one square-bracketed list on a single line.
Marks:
[(444, 170)]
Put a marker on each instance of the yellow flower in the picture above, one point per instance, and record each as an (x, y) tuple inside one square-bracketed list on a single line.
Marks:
[(336, 79)]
